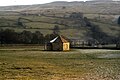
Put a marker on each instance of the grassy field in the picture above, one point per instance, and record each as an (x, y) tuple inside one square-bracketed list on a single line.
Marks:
[(45, 24), (110, 30), (32, 63)]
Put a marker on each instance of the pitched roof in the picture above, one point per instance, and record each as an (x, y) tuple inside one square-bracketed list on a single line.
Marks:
[(54, 40), (60, 38), (63, 39)]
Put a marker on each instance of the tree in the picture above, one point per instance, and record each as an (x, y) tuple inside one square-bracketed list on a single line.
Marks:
[(76, 15), (49, 37), (63, 7), (1, 36), (118, 38), (38, 38), (87, 22), (119, 20), (56, 30), (25, 37), (9, 36)]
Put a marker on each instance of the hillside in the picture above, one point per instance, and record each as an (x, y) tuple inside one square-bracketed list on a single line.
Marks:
[(109, 7), (82, 20)]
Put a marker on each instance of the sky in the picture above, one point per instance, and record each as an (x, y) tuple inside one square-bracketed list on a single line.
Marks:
[(27, 2), (30, 2)]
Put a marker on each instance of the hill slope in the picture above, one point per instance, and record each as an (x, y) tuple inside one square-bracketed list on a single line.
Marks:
[(69, 16), (108, 7)]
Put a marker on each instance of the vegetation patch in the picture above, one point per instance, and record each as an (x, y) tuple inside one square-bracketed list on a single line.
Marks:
[(74, 64)]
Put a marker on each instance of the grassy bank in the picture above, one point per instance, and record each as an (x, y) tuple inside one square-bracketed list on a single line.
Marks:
[(72, 65)]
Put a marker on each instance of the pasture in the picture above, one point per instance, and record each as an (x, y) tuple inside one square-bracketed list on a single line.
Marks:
[(45, 24), (32, 63)]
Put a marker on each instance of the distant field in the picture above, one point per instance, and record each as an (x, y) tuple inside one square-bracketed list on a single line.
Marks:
[(111, 30), (68, 27), (32, 63), (43, 24)]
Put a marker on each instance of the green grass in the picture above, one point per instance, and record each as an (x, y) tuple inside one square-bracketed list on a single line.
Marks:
[(48, 23), (31, 63), (74, 32), (42, 25), (110, 30)]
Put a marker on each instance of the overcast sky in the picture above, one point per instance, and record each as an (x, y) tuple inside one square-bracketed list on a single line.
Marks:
[(29, 2), (26, 2)]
